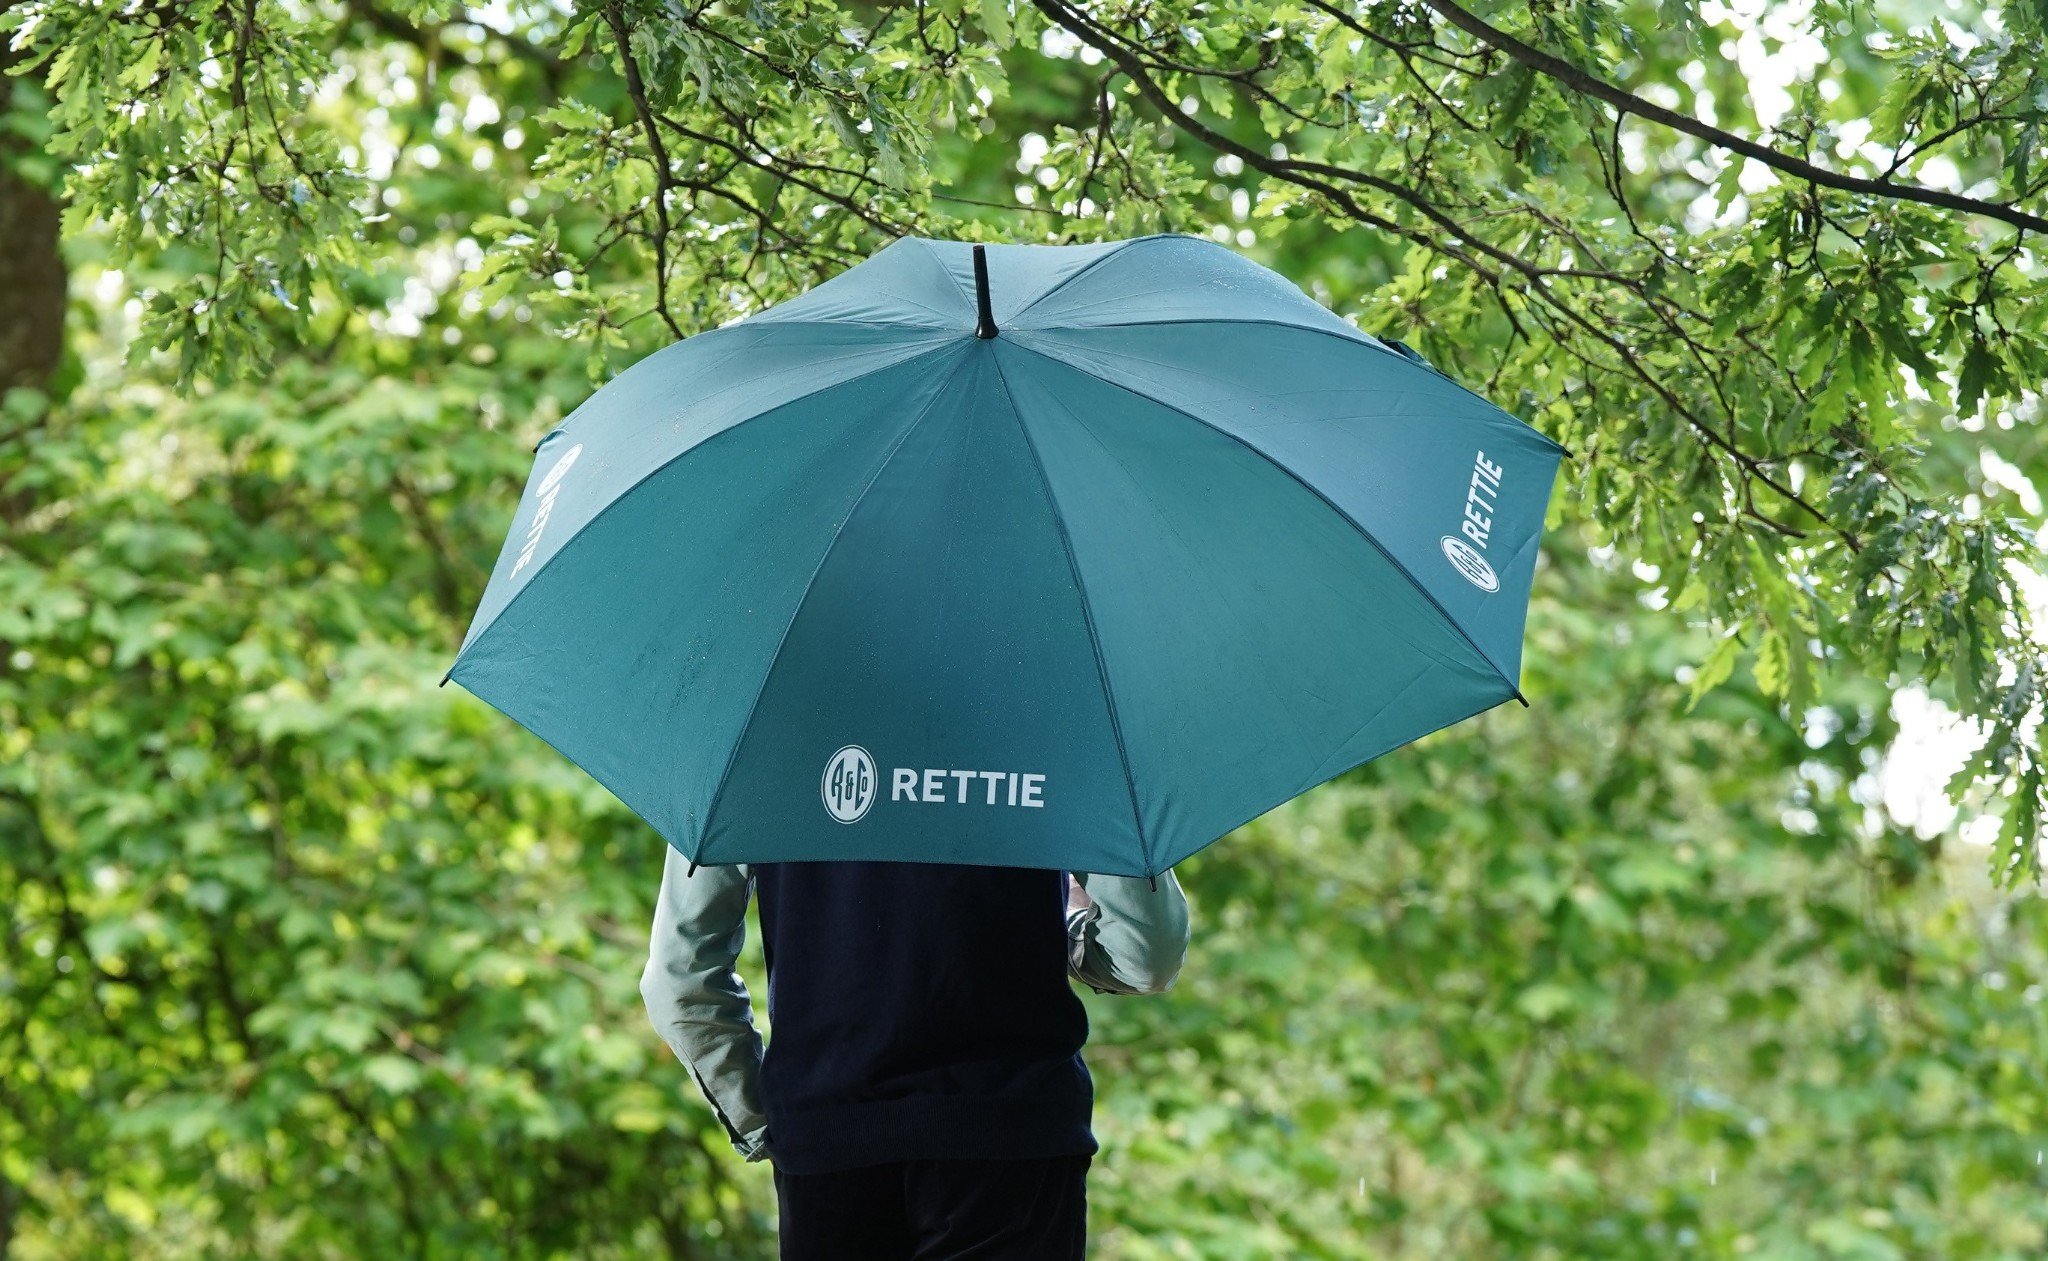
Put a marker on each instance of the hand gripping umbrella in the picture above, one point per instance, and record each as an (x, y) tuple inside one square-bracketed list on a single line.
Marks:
[(1040, 556)]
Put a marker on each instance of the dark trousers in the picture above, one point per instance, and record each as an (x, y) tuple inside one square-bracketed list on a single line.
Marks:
[(938, 1210)]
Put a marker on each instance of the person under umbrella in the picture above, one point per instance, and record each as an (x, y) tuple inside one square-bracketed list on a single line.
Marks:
[(923, 1092), (971, 567)]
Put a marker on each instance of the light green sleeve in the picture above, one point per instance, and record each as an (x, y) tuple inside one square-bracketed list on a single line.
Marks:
[(696, 999), (1134, 938)]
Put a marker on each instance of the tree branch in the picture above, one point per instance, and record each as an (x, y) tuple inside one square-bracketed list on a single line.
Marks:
[(1580, 81), (1463, 246), (664, 174)]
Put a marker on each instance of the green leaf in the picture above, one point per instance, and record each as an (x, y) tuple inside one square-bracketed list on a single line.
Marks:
[(1545, 1001), (396, 1074), (995, 19), (1977, 376), (1714, 669)]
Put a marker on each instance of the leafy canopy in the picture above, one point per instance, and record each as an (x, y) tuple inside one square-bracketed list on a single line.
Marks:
[(1753, 329), (305, 957)]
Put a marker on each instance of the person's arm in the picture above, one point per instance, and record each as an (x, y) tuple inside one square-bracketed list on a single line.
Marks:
[(698, 1003), (1124, 934)]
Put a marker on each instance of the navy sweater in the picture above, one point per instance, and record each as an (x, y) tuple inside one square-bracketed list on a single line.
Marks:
[(919, 1011)]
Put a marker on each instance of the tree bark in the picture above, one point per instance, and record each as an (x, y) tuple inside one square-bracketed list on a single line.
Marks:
[(9, 1201), (33, 285), (33, 279)]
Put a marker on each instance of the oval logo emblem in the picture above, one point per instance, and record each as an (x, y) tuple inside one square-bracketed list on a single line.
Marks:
[(560, 470), (1466, 559), (848, 786)]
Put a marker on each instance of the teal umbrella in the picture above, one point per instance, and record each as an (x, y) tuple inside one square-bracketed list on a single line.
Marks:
[(1041, 556)]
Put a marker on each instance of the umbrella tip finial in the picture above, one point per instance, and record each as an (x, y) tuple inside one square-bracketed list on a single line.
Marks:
[(985, 321)]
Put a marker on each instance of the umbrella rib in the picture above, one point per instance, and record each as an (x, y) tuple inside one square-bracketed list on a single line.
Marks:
[(1305, 484), (1281, 801), (1362, 338), (1091, 265), (945, 269), (756, 323), (477, 637), (1116, 729), (759, 320), (796, 610), (1357, 336)]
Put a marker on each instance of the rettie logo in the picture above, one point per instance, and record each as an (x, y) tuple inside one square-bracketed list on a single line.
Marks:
[(848, 787), (544, 504), (851, 783), (1469, 558)]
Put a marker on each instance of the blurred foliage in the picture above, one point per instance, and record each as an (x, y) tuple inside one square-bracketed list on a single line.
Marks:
[(305, 957)]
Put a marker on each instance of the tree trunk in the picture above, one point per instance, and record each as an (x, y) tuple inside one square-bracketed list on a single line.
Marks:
[(32, 300), (32, 275), (9, 1201)]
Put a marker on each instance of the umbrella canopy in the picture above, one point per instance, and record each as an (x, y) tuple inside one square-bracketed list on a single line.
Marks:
[(1043, 556)]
